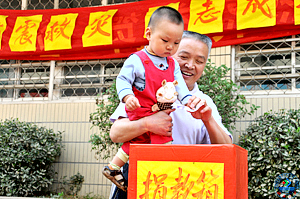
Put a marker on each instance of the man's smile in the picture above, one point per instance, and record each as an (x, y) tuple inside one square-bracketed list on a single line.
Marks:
[(186, 73)]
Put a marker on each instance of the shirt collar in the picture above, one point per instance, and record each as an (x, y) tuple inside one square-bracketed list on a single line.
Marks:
[(195, 89)]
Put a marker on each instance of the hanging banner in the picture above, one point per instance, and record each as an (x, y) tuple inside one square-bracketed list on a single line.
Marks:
[(24, 35), (255, 14), (99, 30), (116, 31), (59, 32), (297, 12), (152, 9), (207, 16)]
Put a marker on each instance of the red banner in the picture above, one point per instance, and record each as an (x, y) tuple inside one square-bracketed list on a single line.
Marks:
[(116, 31)]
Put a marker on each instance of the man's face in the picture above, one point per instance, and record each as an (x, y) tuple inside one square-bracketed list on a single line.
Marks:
[(164, 38), (191, 56)]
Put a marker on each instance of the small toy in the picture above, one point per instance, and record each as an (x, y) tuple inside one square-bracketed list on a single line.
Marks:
[(166, 95)]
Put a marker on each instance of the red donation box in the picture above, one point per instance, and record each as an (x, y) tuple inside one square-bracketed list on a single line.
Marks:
[(188, 171)]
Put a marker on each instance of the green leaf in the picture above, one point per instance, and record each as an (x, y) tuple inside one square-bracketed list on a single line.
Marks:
[(272, 141)]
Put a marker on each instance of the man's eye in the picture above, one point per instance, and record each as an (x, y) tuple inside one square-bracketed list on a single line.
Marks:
[(199, 61), (183, 57)]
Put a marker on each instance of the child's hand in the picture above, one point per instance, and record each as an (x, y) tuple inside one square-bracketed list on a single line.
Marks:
[(132, 103)]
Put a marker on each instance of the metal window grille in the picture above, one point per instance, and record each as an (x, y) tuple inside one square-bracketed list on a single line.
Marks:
[(269, 67), (54, 4), (56, 80), (10, 4), (85, 78)]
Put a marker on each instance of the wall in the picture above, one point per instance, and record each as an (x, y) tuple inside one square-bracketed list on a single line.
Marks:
[(266, 103), (72, 118)]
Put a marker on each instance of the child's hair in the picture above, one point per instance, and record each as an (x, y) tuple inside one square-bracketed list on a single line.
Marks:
[(199, 37), (165, 12)]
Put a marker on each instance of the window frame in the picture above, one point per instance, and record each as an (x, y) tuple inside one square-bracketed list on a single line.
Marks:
[(293, 75)]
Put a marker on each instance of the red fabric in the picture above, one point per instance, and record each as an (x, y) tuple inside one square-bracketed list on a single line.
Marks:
[(128, 30), (234, 158), (147, 98)]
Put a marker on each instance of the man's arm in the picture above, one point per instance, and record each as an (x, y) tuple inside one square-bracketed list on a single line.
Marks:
[(216, 134), (124, 130)]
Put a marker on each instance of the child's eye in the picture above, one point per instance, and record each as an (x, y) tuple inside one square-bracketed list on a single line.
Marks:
[(164, 40)]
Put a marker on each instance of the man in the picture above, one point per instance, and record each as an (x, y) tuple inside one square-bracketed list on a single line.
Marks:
[(203, 126)]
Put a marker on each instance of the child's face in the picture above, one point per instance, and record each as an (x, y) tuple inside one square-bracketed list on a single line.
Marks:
[(164, 39)]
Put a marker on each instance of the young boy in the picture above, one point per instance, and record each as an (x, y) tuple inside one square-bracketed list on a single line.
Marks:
[(141, 76)]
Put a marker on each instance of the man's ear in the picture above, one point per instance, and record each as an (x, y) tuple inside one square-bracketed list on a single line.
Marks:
[(148, 33)]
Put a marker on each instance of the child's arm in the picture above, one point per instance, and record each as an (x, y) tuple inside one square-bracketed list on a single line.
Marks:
[(126, 77), (131, 102), (182, 89)]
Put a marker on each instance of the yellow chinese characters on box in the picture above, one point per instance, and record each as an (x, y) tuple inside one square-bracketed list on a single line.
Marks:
[(188, 171), (168, 179)]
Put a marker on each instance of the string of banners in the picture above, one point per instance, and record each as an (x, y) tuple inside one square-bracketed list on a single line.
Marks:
[(116, 31)]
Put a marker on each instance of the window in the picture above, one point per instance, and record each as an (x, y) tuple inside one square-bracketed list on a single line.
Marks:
[(10, 4), (21, 80), (86, 78), (269, 67)]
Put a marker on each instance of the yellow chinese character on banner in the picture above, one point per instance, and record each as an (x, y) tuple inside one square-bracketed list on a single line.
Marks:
[(297, 11), (206, 16), (164, 179), (151, 10), (59, 31), (24, 34), (99, 30), (255, 13), (2, 26)]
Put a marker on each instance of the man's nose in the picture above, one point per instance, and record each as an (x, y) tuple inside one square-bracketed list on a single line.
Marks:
[(189, 65)]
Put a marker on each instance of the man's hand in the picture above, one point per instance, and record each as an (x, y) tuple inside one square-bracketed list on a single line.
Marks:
[(131, 102), (160, 123), (204, 112)]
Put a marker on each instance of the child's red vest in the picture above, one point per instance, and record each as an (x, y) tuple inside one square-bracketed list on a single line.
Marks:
[(147, 98)]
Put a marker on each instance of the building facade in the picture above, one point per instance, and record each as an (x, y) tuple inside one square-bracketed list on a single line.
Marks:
[(61, 94)]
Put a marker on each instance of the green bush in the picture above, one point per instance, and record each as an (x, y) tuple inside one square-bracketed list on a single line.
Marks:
[(26, 154), (222, 90), (68, 187), (273, 144), (101, 142)]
